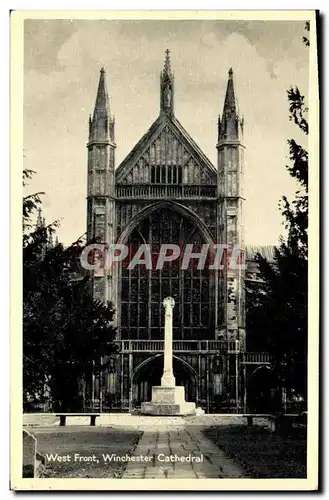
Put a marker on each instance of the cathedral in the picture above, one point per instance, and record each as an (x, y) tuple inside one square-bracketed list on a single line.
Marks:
[(166, 191)]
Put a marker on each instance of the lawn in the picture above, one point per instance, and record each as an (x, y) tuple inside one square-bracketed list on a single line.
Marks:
[(87, 442), (261, 453)]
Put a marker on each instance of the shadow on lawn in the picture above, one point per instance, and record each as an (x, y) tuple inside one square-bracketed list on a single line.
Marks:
[(261, 453), (67, 442)]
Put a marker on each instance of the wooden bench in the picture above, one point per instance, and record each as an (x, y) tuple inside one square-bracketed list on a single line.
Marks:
[(287, 422), (62, 417), (282, 422), (251, 416)]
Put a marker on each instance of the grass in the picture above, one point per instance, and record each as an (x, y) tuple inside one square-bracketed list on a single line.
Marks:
[(86, 441), (262, 454)]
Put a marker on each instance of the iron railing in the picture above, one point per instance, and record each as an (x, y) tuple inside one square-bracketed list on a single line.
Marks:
[(195, 346), (157, 346), (256, 358), (162, 191)]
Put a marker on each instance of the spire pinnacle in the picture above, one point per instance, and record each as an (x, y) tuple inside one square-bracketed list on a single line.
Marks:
[(39, 223), (50, 240), (229, 128), (100, 126), (167, 86), (167, 67), (102, 99), (230, 101)]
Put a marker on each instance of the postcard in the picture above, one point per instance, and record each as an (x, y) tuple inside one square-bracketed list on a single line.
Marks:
[(164, 250)]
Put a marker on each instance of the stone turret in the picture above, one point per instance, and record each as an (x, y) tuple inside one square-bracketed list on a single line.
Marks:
[(230, 173), (101, 181)]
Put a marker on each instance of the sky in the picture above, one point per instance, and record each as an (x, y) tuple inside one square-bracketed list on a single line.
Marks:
[(62, 60)]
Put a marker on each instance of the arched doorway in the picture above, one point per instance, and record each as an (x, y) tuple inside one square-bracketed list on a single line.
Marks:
[(149, 373), (263, 394)]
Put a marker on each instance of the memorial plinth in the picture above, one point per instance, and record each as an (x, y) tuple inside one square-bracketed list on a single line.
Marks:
[(168, 399)]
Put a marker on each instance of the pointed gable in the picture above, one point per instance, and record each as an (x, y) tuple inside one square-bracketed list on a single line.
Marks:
[(166, 154)]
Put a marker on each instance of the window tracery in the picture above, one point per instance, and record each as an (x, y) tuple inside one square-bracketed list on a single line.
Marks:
[(143, 290)]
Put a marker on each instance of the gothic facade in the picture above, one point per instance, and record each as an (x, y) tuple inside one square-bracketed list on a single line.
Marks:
[(166, 191)]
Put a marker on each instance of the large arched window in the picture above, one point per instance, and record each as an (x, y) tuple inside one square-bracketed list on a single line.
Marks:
[(142, 290)]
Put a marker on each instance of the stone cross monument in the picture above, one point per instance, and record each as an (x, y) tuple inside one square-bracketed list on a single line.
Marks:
[(168, 399), (168, 379)]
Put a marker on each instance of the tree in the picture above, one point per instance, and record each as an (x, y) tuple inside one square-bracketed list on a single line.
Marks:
[(277, 305), (66, 333)]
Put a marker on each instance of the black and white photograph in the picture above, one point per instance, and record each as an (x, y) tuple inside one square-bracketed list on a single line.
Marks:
[(165, 178)]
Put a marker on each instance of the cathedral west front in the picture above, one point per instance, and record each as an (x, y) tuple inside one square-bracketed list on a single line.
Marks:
[(167, 192)]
